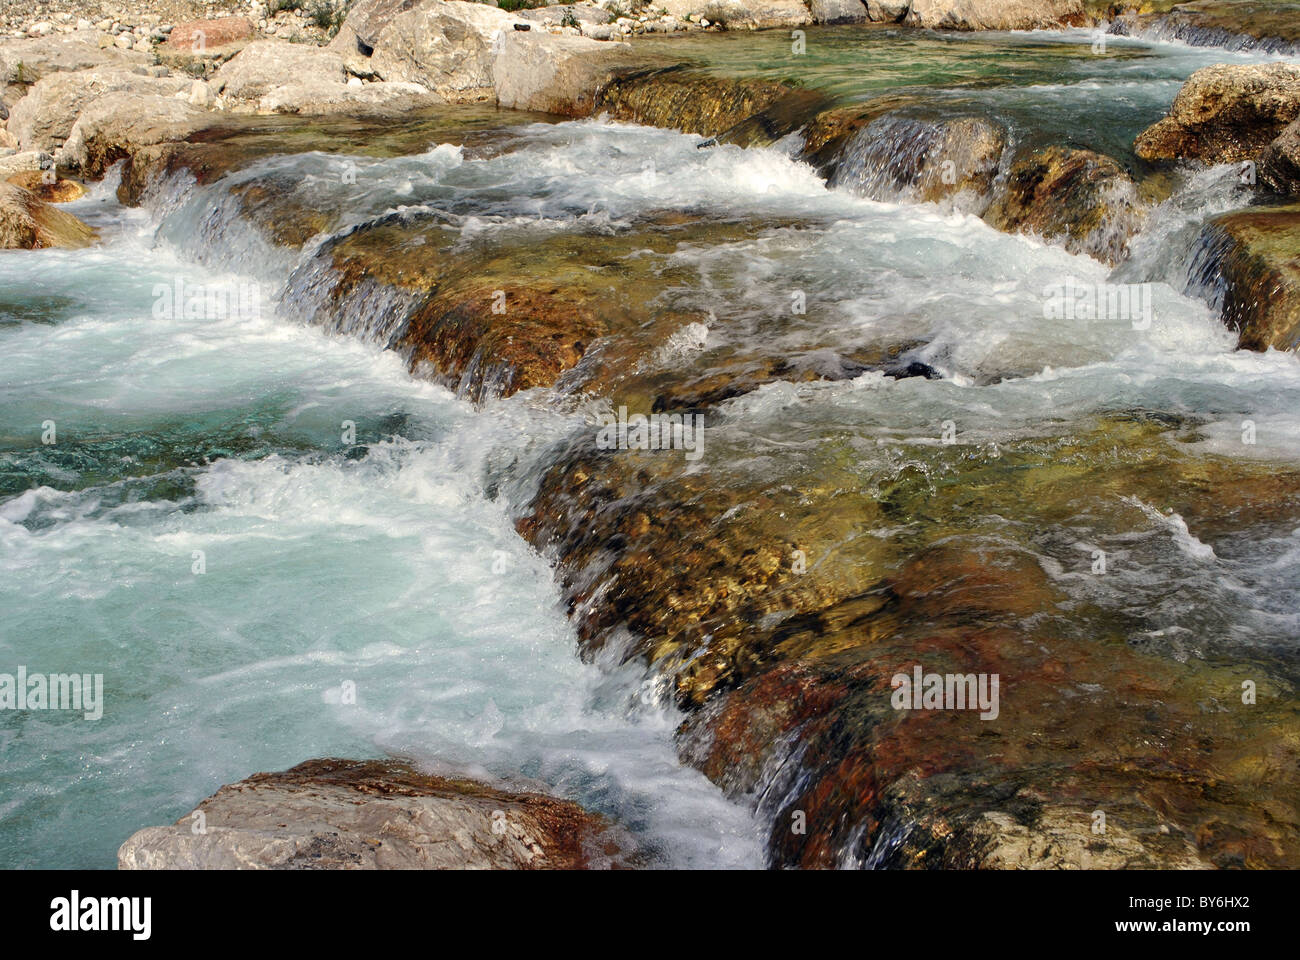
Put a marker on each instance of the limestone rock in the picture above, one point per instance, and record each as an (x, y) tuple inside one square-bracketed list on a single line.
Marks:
[(359, 815), (442, 45), (266, 65), (838, 11), (128, 126), (1225, 113), (556, 74), (887, 11), (29, 223), (43, 119)]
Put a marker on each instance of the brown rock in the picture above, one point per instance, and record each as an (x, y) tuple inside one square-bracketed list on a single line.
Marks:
[(1225, 114), (1079, 198), (57, 191), (374, 815), (29, 223), (197, 35)]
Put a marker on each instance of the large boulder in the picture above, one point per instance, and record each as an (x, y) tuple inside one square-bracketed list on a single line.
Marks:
[(1080, 199), (318, 99), (367, 815), (556, 74), (1225, 114), (29, 223), (132, 127), (196, 35), (264, 66), (443, 45), (43, 119), (992, 14), (1279, 167), (838, 11), (887, 11)]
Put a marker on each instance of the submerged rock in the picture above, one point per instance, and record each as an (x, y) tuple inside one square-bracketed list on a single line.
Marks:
[(1225, 114), (29, 223), (688, 100), (1079, 198), (920, 160), (752, 582), (374, 815), (1248, 265)]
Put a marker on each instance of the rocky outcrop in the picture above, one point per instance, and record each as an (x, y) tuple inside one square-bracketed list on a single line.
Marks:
[(24, 62), (991, 14), (1078, 198), (44, 118), (1279, 166), (556, 74), (265, 66), (887, 11), (444, 45), (132, 127), (1248, 265), (1225, 114), (374, 815), (838, 11), (742, 14), (29, 223)]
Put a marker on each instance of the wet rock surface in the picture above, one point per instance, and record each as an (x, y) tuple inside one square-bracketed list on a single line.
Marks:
[(374, 815), (1077, 197), (1249, 267)]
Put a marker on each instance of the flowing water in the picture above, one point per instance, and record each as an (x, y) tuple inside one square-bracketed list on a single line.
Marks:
[(248, 513)]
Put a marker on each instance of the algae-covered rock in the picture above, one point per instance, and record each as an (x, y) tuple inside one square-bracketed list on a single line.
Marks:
[(1079, 198), (1248, 264)]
